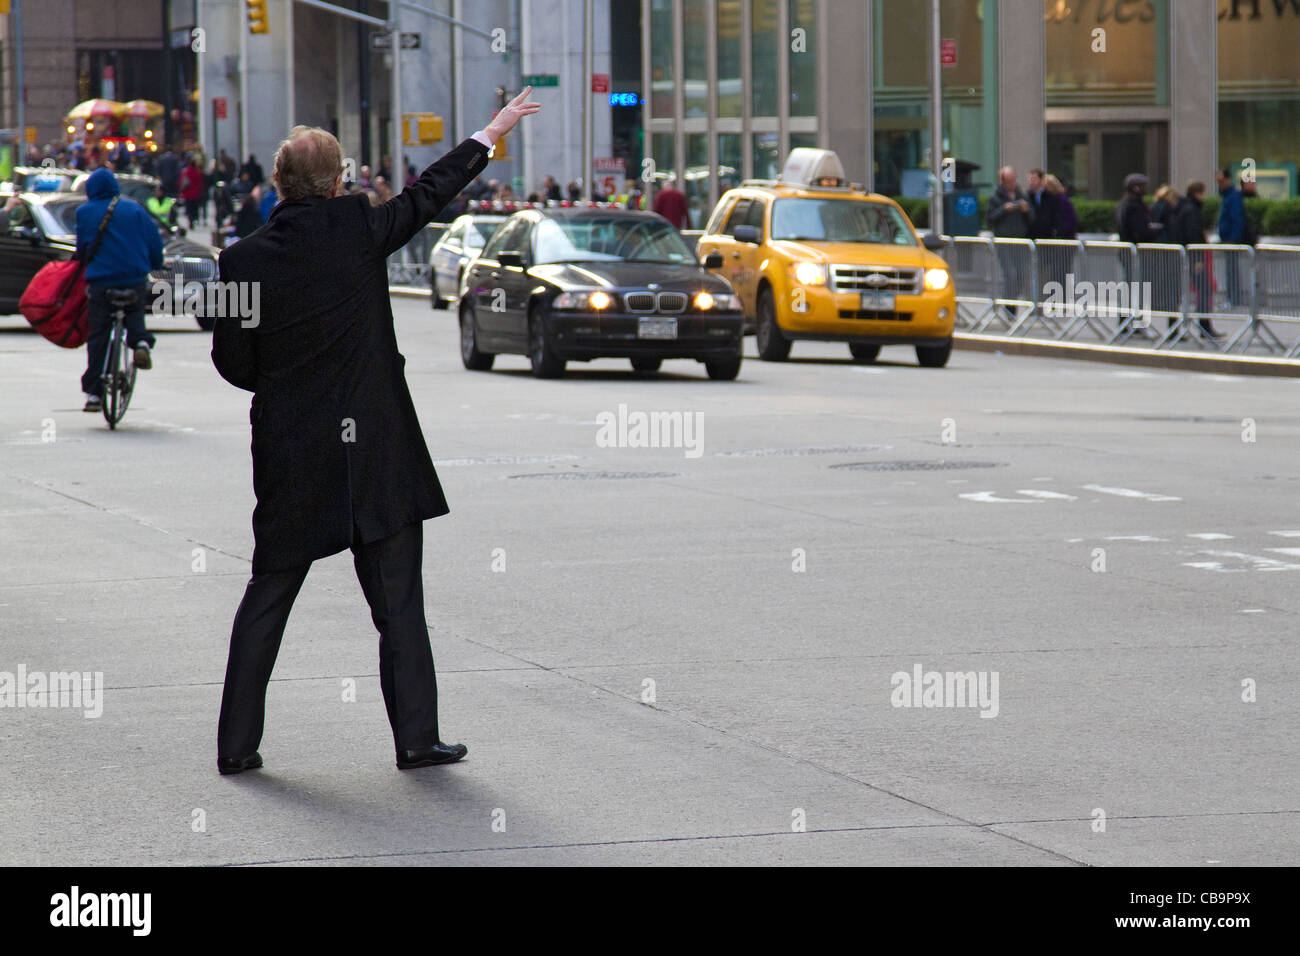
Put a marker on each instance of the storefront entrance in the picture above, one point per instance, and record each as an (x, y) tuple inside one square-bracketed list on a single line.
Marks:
[(1092, 159)]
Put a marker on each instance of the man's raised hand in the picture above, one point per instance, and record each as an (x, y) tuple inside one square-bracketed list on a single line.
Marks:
[(511, 114)]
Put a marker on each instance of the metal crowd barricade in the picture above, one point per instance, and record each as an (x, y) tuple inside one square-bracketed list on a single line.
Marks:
[(1056, 262), (409, 265), (1223, 290), (1277, 295), (1017, 282), (974, 271), (1107, 268), (1162, 294)]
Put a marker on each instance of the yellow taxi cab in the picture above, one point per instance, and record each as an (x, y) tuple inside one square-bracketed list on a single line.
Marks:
[(815, 257)]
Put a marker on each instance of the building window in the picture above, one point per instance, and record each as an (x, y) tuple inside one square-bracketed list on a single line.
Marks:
[(730, 161), (695, 57), (764, 44), (1103, 56), (661, 59), (767, 155), (1259, 96), (729, 79), (664, 156), (697, 179), (803, 62)]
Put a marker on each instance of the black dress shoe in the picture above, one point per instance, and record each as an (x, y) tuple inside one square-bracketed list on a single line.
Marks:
[(229, 765), (429, 756)]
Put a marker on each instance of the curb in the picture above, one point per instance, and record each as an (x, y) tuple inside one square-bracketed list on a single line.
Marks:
[(1119, 355)]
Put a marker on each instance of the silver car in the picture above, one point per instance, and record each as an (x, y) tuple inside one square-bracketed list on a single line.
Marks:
[(461, 243)]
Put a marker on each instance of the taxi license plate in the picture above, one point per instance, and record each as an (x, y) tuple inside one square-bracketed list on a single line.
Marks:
[(878, 301), (656, 328)]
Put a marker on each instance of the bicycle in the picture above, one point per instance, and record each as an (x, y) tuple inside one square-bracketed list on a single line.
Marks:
[(119, 364)]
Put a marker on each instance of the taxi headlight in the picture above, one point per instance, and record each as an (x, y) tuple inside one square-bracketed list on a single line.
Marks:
[(810, 273), (936, 279)]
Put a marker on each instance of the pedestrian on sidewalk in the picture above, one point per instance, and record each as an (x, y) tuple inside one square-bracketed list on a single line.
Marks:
[(1190, 229), (1011, 215), (339, 460)]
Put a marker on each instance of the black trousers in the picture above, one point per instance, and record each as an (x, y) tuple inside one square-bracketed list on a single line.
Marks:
[(100, 322), (390, 576)]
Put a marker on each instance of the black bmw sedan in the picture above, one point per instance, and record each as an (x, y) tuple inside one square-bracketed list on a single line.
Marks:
[(575, 284)]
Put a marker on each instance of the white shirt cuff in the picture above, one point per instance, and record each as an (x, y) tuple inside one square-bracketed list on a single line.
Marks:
[(481, 137)]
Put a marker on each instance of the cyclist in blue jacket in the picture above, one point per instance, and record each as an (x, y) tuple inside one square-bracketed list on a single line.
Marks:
[(131, 248)]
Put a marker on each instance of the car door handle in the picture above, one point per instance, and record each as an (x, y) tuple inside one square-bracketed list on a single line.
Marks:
[(496, 275), (735, 255)]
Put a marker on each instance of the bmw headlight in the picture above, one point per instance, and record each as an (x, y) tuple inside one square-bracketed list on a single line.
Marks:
[(810, 273), (717, 302), (594, 301), (936, 279)]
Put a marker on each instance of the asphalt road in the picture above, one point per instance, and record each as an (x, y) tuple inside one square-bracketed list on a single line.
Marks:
[(684, 655)]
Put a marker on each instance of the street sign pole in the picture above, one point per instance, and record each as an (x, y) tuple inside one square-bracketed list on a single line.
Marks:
[(587, 42)]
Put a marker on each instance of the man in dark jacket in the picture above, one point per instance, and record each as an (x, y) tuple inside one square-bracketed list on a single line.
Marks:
[(1232, 228), (339, 460), (1011, 215), (131, 248), (1046, 207), (1189, 227)]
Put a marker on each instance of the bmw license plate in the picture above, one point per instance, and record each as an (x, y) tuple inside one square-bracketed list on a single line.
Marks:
[(875, 301), (655, 327)]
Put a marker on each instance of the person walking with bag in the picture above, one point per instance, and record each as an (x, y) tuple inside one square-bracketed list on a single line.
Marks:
[(120, 244), (339, 459)]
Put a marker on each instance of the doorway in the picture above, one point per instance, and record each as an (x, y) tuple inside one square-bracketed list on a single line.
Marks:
[(1092, 159)]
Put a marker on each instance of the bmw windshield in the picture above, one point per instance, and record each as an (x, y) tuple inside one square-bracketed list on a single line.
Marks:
[(609, 239), (840, 220)]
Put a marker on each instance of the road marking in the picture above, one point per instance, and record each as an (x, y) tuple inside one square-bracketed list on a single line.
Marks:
[(1293, 552), (1253, 610), (989, 497), (1042, 493), (1286, 534), (1130, 493), (868, 370), (1133, 537), (1260, 563), (1210, 536)]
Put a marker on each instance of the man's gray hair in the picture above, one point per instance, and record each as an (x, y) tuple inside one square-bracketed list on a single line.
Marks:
[(307, 164)]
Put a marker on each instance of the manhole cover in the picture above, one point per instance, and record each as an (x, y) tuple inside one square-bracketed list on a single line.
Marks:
[(939, 465), (600, 475), (816, 450)]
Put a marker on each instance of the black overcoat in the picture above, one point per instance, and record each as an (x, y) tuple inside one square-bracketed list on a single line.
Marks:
[(338, 454)]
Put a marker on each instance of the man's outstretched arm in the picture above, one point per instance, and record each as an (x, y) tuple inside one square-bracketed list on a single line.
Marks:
[(394, 223)]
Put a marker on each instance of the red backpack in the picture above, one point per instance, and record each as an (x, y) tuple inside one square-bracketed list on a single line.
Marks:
[(55, 300)]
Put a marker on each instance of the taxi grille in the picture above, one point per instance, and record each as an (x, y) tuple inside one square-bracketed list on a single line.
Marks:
[(875, 314), (855, 279)]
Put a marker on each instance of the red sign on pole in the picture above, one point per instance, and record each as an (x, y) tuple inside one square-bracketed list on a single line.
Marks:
[(948, 52), (219, 106), (600, 82)]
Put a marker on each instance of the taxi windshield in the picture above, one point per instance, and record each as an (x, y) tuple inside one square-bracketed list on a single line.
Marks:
[(840, 220)]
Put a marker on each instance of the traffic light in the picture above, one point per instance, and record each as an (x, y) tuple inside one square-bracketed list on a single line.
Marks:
[(258, 21)]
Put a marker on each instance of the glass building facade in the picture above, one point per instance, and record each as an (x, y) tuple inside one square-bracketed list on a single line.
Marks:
[(1091, 90)]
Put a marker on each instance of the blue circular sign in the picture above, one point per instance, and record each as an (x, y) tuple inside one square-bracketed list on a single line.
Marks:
[(966, 205)]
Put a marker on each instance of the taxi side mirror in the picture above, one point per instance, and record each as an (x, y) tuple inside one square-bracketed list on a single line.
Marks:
[(933, 242), (713, 260), (748, 234)]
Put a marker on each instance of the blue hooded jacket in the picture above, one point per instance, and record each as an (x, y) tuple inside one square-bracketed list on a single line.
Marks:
[(1232, 216), (132, 245)]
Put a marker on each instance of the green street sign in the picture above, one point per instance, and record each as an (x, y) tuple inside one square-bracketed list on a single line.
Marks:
[(542, 79)]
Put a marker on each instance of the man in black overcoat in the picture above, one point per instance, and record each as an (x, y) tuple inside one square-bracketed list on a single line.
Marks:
[(339, 460)]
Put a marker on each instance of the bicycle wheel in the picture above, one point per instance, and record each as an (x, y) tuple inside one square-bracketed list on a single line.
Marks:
[(119, 378)]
